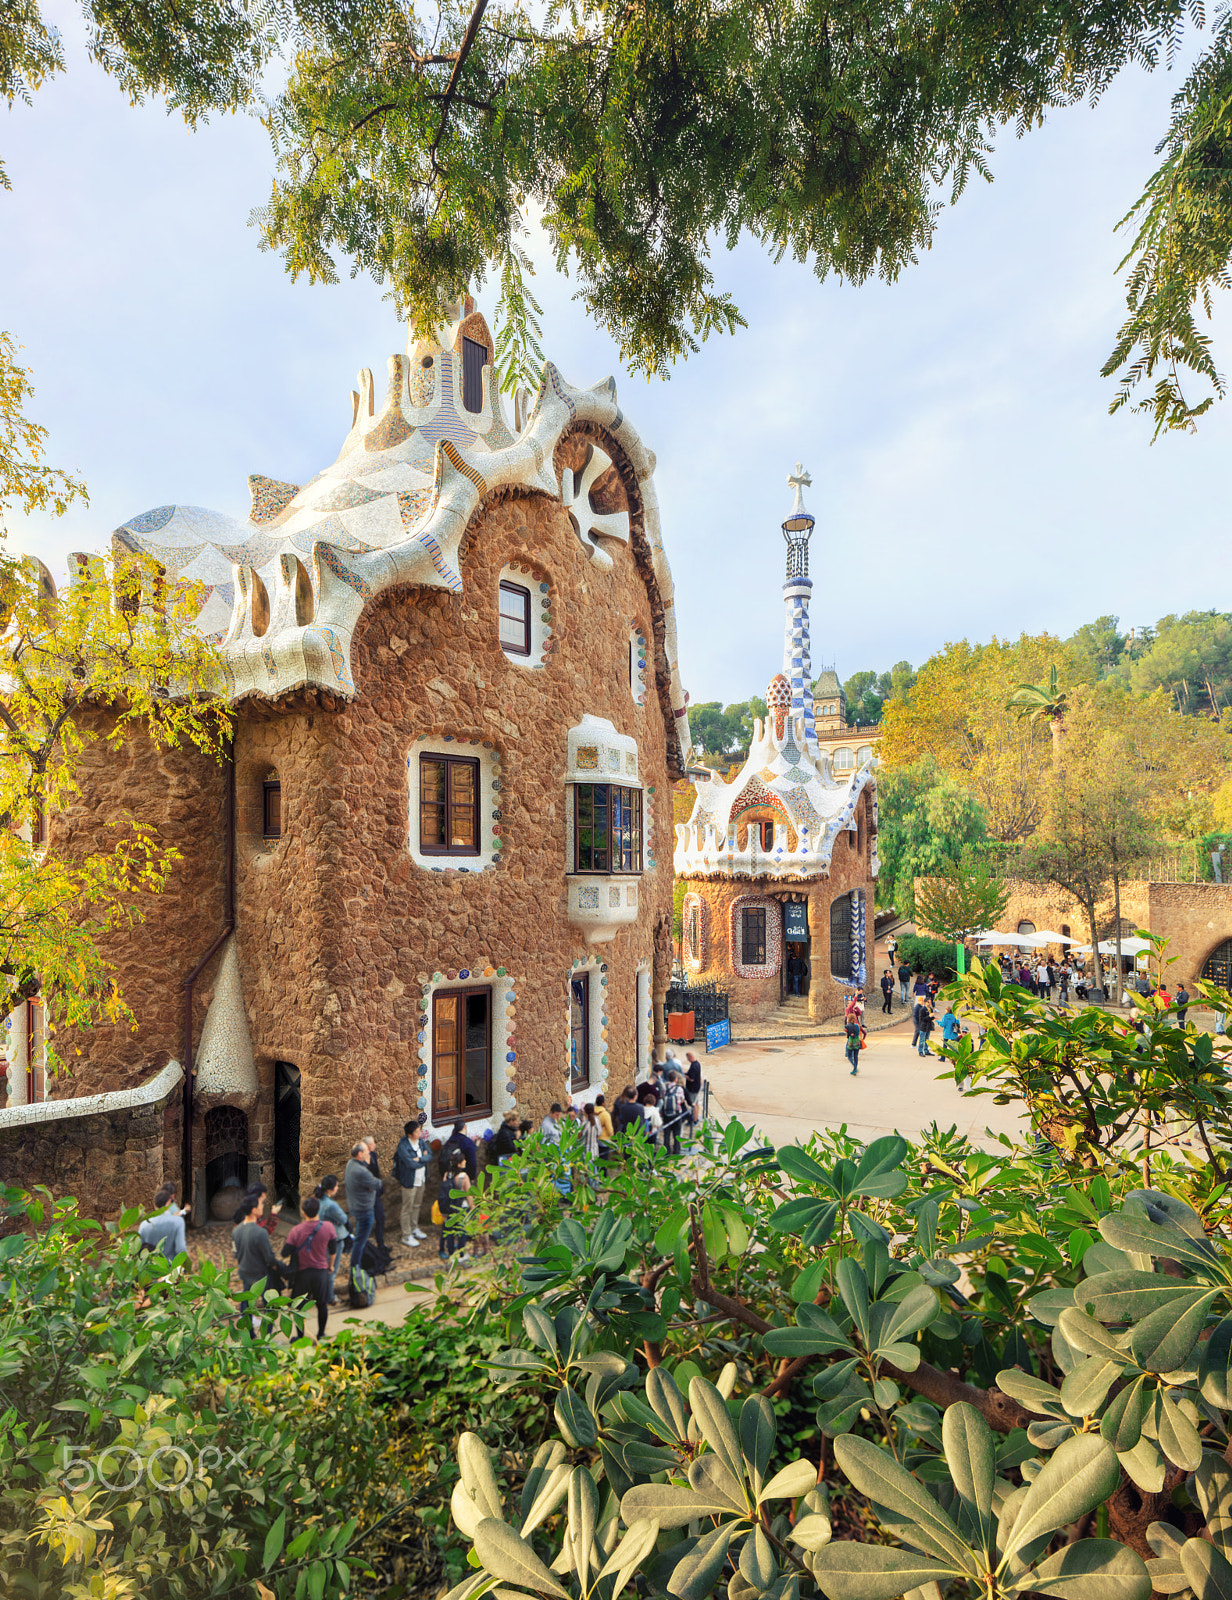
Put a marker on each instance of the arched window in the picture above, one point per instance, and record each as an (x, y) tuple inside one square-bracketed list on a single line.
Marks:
[(1025, 927), (840, 936), (271, 807), (864, 754), (1218, 968)]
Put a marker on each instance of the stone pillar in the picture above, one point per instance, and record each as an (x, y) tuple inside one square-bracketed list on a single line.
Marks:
[(819, 950)]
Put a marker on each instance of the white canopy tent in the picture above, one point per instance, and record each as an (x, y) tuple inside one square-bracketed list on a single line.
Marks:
[(1107, 947)]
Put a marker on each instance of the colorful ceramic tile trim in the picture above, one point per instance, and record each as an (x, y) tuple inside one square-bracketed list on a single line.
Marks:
[(270, 497), (348, 494), (504, 1038), (151, 521), (598, 999), (588, 758), (695, 914), (327, 556), (774, 936)]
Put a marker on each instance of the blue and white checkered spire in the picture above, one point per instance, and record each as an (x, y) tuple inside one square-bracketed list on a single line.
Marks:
[(797, 660)]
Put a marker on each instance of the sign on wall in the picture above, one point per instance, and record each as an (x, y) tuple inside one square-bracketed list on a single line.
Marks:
[(795, 920)]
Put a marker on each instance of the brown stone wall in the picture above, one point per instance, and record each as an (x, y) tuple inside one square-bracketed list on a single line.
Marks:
[(1195, 918), (1048, 907), (180, 794), (339, 928), (108, 1161), (755, 999)]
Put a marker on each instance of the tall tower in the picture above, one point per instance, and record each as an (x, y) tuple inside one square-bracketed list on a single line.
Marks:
[(797, 664)]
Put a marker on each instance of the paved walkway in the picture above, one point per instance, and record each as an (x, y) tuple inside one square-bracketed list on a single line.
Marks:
[(791, 1088)]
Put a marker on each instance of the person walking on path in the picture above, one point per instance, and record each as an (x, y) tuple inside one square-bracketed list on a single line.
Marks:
[(254, 1254), (926, 1028), (453, 1201), (891, 949), (361, 1192), (1182, 1004), (378, 1204), (326, 1192), (851, 1026), (887, 991), (165, 1230), (904, 982), (412, 1159), (310, 1244)]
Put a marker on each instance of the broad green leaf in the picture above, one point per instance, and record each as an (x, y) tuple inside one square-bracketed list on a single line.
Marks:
[(711, 1415), (811, 1532), (1129, 1230), (833, 1379), (1213, 1486), (1121, 1423), (1030, 1392), (809, 1283), (798, 1164), (1144, 1465), (853, 1287), (893, 1321), (1126, 1296), (550, 1490), (809, 1219), (574, 1420), (475, 1467), (1178, 1438), (878, 1159), (671, 1229), (971, 1457), (713, 1479), (667, 1402), (696, 1575), (757, 1561), (583, 1511), (1215, 1367), (850, 1571), (1208, 1570), (274, 1541), (540, 1329), (757, 1431), (629, 1554), (1164, 1339), (737, 1230), (1048, 1306), (668, 1504), (1091, 1569), (509, 1558), (879, 1478), (802, 1342), (1089, 1336), (1085, 1388), (790, 1482), (714, 1234), (1080, 1474)]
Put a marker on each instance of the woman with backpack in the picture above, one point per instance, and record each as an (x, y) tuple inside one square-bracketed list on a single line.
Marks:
[(452, 1200), (326, 1192), (310, 1244)]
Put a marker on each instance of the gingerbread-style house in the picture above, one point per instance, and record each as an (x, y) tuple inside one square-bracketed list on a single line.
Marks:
[(780, 862), (436, 879)]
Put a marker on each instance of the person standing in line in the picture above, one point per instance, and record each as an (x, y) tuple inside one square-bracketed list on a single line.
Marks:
[(604, 1116), (361, 1192), (254, 1254), (926, 1028), (506, 1141), (1065, 975), (673, 1113), (459, 1139), (549, 1128), (1182, 1004), (326, 1192), (452, 1201), (887, 991), (904, 982), (629, 1114), (378, 1205), (411, 1161), (165, 1230), (310, 1244), (920, 987), (692, 1085)]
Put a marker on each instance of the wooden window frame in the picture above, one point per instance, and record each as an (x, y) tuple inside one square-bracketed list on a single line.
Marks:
[(463, 1113), (450, 762), (269, 788), (36, 1070), (616, 797), (580, 1080), (507, 587), (753, 952), (472, 378)]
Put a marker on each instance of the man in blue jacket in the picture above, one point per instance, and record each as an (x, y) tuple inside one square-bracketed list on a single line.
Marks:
[(411, 1161)]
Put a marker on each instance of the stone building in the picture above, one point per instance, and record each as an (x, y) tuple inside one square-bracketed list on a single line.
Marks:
[(434, 881), (849, 747), (779, 863)]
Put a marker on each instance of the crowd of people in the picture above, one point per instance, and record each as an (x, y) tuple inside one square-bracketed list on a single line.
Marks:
[(346, 1220)]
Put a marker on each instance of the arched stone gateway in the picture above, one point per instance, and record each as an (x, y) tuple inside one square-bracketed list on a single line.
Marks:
[(1218, 965)]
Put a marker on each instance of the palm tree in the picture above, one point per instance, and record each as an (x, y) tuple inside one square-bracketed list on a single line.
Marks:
[(1044, 701)]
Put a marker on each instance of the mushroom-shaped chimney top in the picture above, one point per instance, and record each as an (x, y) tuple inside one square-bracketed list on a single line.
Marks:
[(797, 526), (778, 702)]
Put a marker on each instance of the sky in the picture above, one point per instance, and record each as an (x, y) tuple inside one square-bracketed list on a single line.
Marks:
[(967, 478)]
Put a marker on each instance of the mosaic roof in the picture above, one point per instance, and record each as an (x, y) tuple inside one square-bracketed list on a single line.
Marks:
[(392, 509)]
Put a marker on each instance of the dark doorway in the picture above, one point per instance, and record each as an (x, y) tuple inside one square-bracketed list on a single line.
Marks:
[(226, 1158), (797, 968), (286, 1132)]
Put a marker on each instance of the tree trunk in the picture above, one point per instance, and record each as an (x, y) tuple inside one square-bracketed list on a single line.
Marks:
[(1089, 907), (1116, 904)]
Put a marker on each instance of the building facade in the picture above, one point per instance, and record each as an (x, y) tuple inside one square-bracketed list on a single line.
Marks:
[(779, 864), (848, 747), (435, 881)]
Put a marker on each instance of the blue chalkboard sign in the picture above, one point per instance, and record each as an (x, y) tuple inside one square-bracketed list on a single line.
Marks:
[(718, 1033), (795, 920)]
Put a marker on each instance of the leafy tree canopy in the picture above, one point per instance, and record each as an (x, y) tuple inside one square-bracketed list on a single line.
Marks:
[(967, 896), (926, 820), (411, 142)]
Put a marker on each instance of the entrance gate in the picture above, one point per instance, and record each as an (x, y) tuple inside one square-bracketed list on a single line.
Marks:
[(286, 1131)]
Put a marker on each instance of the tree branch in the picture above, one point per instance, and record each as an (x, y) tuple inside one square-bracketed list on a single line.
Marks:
[(455, 77)]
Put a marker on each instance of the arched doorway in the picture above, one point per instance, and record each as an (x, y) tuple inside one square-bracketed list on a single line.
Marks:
[(286, 1132), (226, 1155)]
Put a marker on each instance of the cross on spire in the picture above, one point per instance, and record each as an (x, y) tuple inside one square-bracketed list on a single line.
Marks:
[(799, 480)]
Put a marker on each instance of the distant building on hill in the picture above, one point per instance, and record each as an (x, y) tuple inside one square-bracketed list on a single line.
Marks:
[(848, 747)]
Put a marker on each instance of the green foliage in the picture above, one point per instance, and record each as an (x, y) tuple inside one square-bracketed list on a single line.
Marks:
[(725, 732), (927, 955), (26, 481), (966, 896), (925, 821), (151, 1446)]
